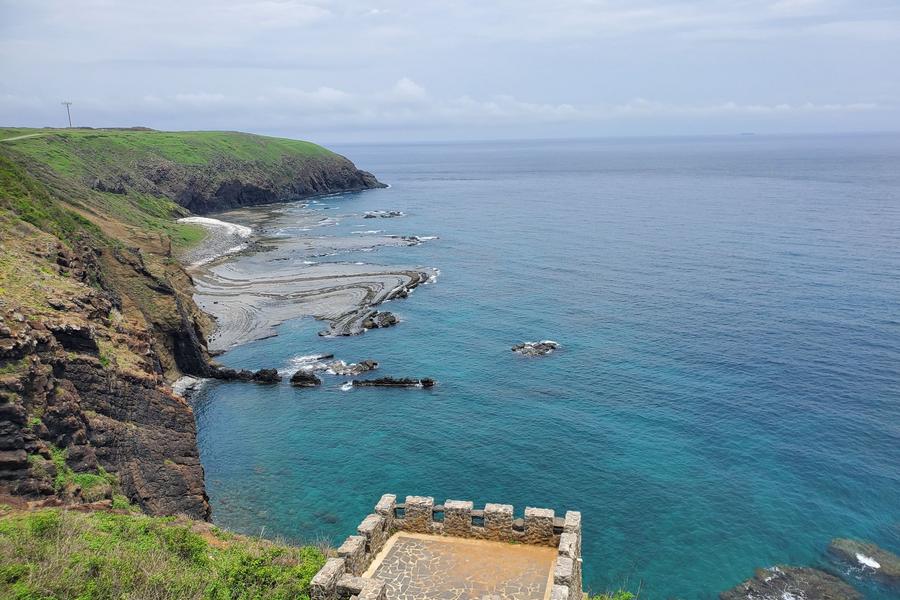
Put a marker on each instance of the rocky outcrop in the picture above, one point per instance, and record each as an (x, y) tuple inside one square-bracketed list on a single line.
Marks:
[(304, 378), (535, 348), (56, 399), (380, 320), (868, 557), (403, 382), (797, 583), (202, 190)]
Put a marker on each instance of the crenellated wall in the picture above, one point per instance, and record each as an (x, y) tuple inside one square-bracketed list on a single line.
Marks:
[(342, 577)]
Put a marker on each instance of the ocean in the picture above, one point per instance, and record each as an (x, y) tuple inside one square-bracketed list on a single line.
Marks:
[(726, 395)]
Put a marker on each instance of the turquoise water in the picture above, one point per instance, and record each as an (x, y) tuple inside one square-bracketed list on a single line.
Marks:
[(728, 391)]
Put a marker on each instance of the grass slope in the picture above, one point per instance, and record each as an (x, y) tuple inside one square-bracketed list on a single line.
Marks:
[(53, 553), (71, 161)]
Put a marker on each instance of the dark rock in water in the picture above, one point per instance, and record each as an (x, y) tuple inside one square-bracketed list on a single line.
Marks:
[(304, 378), (383, 214), (394, 382), (791, 583), (266, 376), (227, 374), (535, 348), (870, 558), (380, 320)]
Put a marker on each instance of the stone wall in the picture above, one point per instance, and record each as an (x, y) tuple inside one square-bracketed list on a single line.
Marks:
[(341, 577)]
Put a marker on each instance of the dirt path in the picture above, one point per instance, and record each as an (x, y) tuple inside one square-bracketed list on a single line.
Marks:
[(21, 137)]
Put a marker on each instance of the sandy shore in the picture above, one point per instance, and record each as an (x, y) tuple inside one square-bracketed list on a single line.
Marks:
[(275, 276)]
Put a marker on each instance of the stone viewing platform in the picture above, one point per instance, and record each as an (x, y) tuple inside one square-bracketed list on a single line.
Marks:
[(419, 550)]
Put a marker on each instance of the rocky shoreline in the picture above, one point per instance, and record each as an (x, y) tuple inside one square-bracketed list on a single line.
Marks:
[(249, 294)]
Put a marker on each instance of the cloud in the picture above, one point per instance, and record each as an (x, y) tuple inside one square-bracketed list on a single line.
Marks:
[(404, 104)]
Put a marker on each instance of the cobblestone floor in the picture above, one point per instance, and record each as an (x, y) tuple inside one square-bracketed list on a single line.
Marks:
[(424, 567)]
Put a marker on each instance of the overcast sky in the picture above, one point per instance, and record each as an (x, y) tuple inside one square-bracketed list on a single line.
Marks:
[(384, 70)]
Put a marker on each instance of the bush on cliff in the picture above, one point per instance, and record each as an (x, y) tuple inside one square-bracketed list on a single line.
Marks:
[(53, 553)]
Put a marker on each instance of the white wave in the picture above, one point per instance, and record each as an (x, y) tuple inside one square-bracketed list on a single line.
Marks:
[(867, 561), (425, 238), (368, 232), (232, 228), (433, 277), (226, 252), (310, 262), (306, 362), (187, 385), (347, 386)]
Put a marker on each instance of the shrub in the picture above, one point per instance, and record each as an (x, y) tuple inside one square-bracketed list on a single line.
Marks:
[(53, 553)]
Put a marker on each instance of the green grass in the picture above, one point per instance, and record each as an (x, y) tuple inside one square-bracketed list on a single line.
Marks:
[(53, 553), (73, 151), (617, 595)]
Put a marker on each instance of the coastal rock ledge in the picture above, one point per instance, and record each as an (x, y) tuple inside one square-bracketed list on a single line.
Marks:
[(872, 559), (791, 583)]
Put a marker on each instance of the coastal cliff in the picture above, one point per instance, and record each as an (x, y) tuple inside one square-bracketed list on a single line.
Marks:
[(97, 317)]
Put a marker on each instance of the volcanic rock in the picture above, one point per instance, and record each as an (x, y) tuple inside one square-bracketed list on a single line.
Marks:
[(791, 583)]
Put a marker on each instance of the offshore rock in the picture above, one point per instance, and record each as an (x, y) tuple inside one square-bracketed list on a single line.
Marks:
[(394, 382), (872, 559), (380, 320), (791, 583), (304, 378), (542, 348), (267, 376), (339, 367)]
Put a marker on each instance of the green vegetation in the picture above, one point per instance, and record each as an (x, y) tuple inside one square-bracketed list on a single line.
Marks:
[(75, 151), (95, 556), (617, 595)]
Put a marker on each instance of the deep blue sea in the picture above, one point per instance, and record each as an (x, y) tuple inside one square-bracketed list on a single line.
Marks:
[(727, 395)]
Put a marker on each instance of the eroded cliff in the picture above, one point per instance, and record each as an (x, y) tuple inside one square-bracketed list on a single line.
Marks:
[(97, 317)]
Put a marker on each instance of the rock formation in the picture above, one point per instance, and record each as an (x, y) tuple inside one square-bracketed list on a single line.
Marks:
[(791, 583), (394, 382), (535, 348), (880, 563)]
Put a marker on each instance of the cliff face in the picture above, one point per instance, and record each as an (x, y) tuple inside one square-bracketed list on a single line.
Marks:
[(96, 317)]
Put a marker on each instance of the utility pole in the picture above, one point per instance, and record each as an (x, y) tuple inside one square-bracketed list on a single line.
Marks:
[(68, 112)]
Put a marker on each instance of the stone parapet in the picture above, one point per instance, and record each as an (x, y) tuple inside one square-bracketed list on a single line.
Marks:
[(342, 577)]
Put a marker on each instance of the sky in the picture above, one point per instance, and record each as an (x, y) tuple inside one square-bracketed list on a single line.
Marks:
[(389, 70)]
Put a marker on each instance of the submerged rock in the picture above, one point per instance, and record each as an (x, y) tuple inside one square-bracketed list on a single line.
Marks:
[(541, 348), (305, 378), (869, 557), (791, 583), (383, 214), (394, 382)]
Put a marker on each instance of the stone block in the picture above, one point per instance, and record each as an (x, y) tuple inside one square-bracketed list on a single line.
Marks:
[(354, 550), (568, 545), (348, 586), (324, 584), (373, 589), (386, 507), (539, 526), (564, 571), (372, 528), (498, 521), (418, 514), (560, 592), (573, 525), (458, 517)]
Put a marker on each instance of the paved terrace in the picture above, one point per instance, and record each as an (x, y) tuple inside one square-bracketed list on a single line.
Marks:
[(421, 551)]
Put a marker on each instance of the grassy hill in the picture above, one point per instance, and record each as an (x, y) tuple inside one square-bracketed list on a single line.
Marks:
[(96, 312), (53, 553), (143, 180)]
